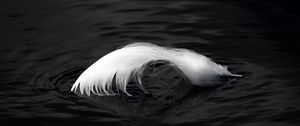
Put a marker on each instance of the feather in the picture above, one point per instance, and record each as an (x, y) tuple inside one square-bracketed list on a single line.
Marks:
[(129, 62)]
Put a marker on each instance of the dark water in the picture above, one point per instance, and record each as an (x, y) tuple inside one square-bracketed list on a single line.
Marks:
[(45, 45)]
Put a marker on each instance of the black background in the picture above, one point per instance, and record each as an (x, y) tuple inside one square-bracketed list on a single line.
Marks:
[(46, 44)]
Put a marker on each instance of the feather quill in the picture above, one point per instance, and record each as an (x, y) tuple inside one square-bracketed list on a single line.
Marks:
[(130, 61)]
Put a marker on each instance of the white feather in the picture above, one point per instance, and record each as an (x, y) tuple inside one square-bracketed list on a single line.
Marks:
[(129, 62)]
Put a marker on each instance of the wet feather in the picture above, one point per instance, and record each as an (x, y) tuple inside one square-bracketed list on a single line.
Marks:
[(129, 62)]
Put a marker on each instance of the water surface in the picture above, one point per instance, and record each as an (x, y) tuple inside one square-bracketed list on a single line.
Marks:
[(45, 45)]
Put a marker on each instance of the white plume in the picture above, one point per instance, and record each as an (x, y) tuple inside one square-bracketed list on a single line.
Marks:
[(129, 62)]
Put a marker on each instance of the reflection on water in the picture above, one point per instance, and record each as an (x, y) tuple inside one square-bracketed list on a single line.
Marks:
[(46, 45)]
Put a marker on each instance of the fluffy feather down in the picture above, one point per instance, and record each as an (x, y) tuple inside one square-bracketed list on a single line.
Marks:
[(130, 61)]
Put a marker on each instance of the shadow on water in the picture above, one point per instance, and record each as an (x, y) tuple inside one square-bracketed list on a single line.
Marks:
[(45, 45)]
